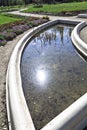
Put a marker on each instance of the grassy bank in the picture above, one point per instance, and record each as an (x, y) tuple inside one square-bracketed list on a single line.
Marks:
[(58, 8), (10, 8), (7, 19), (12, 26)]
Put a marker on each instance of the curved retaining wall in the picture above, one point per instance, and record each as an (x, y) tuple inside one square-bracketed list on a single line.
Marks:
[(79, 44), (19, 117)]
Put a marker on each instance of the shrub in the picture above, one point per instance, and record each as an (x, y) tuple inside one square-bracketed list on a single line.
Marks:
[(30, 24), (8, 35), (2, 42), (2, 37), (19, 2), (17, 29), (20, 29), (10, 31), (37, 22), (46, 17), (38, 6)]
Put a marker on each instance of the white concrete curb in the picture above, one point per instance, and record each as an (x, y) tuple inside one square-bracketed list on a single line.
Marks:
[(82, 15), (79, 44), (18, 113), (72, 118)]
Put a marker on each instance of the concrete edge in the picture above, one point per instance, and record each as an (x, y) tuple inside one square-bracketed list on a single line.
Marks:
[(72, 118), (82, 15), (79, 44), (18, 113)]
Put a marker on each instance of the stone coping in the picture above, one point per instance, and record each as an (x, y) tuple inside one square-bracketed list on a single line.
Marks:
[(82, 15), (77, 41)]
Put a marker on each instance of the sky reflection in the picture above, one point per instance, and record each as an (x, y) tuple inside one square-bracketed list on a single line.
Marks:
[(41, 76)]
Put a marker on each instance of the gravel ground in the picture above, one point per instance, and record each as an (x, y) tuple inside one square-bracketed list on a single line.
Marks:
[(5, 53)]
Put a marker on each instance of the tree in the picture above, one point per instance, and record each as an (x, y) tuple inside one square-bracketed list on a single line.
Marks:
[(19, 2), (38, 2), (27, 1)]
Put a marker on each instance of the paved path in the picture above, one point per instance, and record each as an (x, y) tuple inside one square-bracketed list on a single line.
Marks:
[(51, 17), (5, 53), (82, 15)]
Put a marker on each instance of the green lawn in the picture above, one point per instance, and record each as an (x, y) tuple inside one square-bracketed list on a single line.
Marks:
[(7, 19), (57, 8), (10, 8)]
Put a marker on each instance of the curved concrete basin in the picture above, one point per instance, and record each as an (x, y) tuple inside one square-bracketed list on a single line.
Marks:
[(19, 117), (79, 44)]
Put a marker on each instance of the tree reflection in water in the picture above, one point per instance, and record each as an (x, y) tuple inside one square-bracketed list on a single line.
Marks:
[(53, 36)]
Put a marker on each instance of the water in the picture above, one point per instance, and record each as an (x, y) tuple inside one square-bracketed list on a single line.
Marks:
[(53, 74)]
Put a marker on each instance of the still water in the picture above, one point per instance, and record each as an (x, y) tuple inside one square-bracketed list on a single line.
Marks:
[(53, 74)]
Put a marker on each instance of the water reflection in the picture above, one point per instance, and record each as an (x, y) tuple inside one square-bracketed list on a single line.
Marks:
[(53, 74), (41, 76)]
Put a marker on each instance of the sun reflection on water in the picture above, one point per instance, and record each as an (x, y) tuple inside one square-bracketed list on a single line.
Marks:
[(41, 76)]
